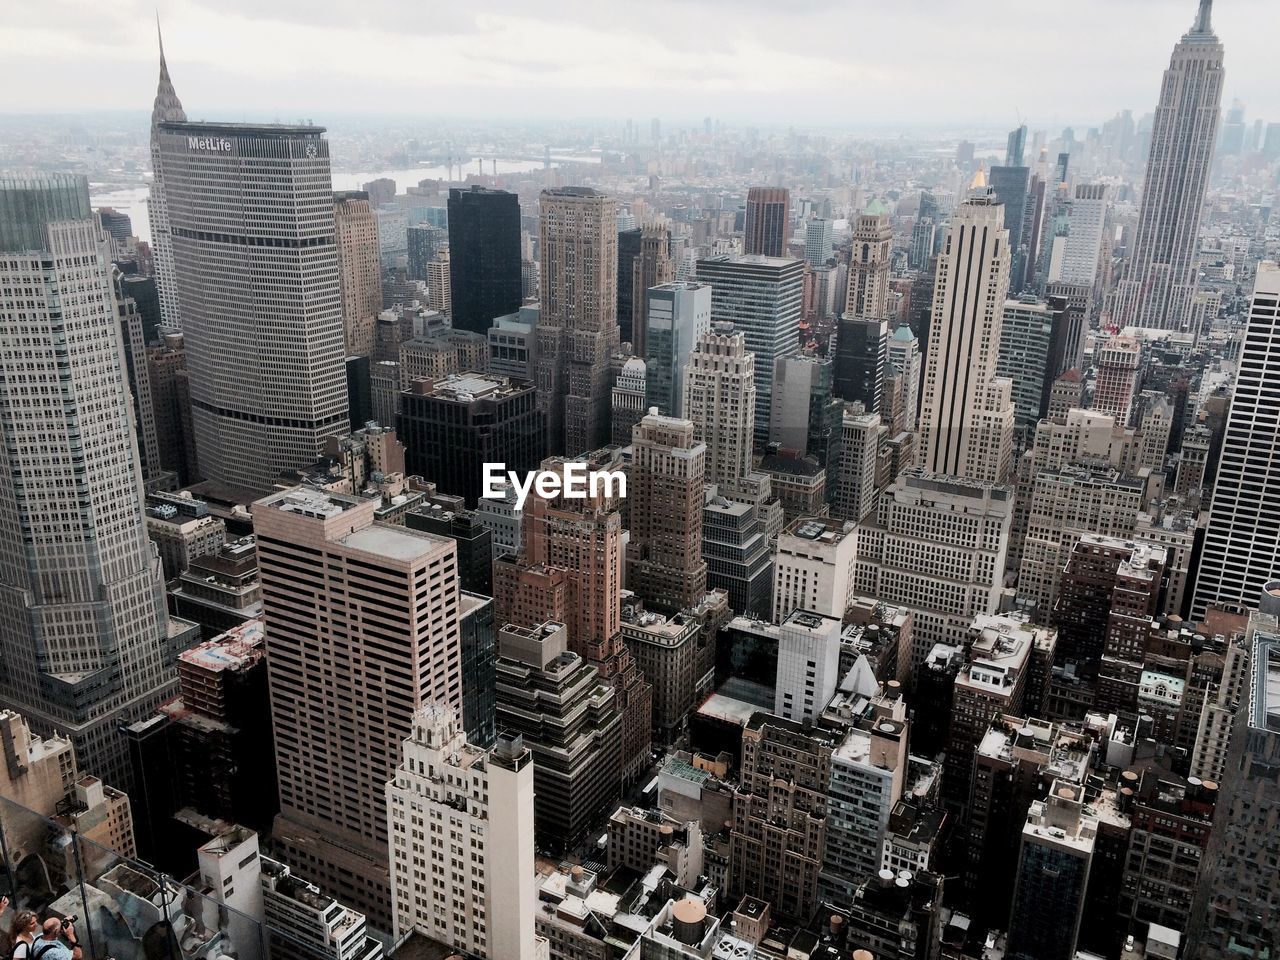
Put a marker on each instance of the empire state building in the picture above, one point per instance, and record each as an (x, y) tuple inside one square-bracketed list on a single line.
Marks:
[(1161, 277)]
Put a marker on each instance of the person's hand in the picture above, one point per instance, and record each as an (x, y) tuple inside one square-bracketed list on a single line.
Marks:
[(69, 931), (4, 904)]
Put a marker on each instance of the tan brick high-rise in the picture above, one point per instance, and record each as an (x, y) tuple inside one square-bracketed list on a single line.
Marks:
[(356, 228), (578, 327)]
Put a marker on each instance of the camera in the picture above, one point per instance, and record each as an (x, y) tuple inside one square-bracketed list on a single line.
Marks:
[(68, 921)]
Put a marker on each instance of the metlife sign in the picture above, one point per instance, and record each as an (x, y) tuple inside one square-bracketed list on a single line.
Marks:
[(209, 144)]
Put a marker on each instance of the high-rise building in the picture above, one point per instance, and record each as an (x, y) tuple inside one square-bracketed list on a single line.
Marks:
[(678, 313), (817, 241), (762, 297), (862, 350), (359, 279), (806, 414), (628, 250), (664, 557), (166, 107), (903, 355), (814, 568), (651, 267), (768, 222), (577, 328), (1160, 277), (452, 427), (251, 218), (867, 293), (1240, 543), (627, 400), (966, 412), (1033, 353), (1086, 224), (461, 823), (1010, 186), (1016, 147), (358, 613), (484, 256), (856, 478), (1116, 381), (1237, 903), (720, 399), (440, 283), (84, 631)]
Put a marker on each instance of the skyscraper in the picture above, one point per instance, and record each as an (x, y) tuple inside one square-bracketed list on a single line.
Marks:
[(768, 222), (1016, 146), (867, 294), (166, 107), (84, 633), (251, 218), (484, 256), (762, 297), (862, 335), (817, 241), (1240, 543), (677, 315), (720, 399), (651, 267), (966, 413), (359, 280), (1160, 277), (1085, 224), (664, 557), (1010, 185), (577, 329), (362, 632)]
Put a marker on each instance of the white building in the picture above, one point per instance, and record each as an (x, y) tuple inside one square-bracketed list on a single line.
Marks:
[(966, 414), (720, 399), (1079, 263), (904, 356), (504, 519), (808, 664), (298, 915), (461, 849), (855, 480), (813, 569)]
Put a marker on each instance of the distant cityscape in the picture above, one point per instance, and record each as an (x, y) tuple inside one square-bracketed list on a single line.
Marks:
[(641, 540)]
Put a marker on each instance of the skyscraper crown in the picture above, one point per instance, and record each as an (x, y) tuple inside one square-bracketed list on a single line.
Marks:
[(167, 106)]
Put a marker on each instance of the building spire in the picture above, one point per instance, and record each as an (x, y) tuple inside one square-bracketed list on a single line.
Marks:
[(1202, 24), (167, 106)]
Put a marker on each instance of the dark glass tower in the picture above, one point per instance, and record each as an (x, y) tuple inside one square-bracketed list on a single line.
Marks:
[(484, 256)]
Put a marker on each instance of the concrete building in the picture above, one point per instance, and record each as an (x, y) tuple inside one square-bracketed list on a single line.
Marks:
[(359, 281), (768, 222), (381, 605), (513, 344), (805, 415), (84, 631), (1117, 378), (664, 556), (867, 294), (1086, 226), (262, 194), (1239, 546), (762, 297), (720, 400), (461, 819), (861, 360), (220, 590), (1033, 346), (817, 241), (1161, 275), (639, 839), (505, 521), (670, 652), (627, 404), (577, 327), (182, 530), (651, 266), (936, 546), (966, 412), (303, 921), (903, 355), (678, 314), (857, 479), (814, 568), (808, 665)]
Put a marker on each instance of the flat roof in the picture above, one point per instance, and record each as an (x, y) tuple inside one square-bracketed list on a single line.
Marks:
[(396, 543)]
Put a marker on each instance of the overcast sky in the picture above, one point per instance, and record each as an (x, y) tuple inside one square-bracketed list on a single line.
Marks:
[(837, 62)]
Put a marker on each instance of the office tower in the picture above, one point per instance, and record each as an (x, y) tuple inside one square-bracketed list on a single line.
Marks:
[(134, 358), (583, 540), (868, 774), (627, 401), (735, 544), (651, 267), (1010, 186), (1033, 354), (1086, 223), (918, 520), (462, 870), (966, 413), (478, 646), (903, 355), (808, 665), (806, 415), (1160, 277), (359, 280), (856, 479), (1032, 233), (720, 399), (360, 606), (569, 720), (513, 344), (1016, 146), (797, 483), (676, 654), (1237, 901), (779, 814), (577, 328), (768, 223), (762, 297), (862, 350), (220, 590), (439, 283), (1117, 378), (813, 569), (474, 540), (484, 256), (452, 427), (628, 250), (1058, 842), (817, 241), (1239, 548), (867, 294), (264, 345), (677, 315), (423, 243), (80, 584), (381, 191), (166, 107), (664, 557), (182, 530)]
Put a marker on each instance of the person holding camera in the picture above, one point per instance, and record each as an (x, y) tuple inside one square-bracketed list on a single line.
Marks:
[(59, 941)]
